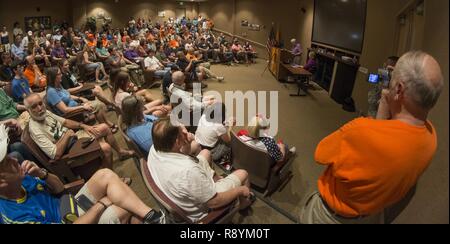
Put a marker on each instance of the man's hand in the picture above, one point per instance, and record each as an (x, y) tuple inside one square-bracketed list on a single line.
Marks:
[(231, 122), (88, 107), (384, 112), (92, 130), (31, 169), (82, 99), (70, 133), (11, 123), (190, 137)]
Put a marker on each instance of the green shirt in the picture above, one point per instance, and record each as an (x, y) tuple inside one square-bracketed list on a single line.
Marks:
[(7, 107)]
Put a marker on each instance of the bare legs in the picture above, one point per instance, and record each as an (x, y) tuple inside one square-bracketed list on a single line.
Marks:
[(106, 183), (105, 133)]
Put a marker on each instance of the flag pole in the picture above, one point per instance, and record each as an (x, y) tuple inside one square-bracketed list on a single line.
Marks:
[(269, 51)]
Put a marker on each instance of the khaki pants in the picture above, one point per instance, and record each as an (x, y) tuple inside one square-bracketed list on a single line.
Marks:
[(315, 212)]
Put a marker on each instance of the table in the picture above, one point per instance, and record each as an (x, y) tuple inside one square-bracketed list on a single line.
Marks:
[(302, 75)]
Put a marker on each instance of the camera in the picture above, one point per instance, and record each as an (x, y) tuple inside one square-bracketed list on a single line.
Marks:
[(383, 77)]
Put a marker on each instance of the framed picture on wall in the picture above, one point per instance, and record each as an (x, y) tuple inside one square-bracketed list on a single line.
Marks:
[(38, 23), (254, 27)]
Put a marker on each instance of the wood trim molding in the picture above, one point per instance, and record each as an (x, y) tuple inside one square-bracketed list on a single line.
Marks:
[(239, 37)]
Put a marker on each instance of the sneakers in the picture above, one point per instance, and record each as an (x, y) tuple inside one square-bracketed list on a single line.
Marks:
[(220, 78), (293, 150), (154, 217)]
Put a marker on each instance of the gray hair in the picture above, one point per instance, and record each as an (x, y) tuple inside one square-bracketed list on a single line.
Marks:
[(27, 98), (421, 89)]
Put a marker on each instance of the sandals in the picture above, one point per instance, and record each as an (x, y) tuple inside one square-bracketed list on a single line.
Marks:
[(252, 198), (114, 128), (248, 210)]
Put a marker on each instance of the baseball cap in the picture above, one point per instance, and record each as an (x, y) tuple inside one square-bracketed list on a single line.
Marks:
[(4, 139)]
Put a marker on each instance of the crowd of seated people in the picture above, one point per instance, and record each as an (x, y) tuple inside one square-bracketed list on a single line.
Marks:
[(179, 52)]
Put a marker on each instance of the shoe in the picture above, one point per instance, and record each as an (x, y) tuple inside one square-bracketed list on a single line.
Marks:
[(154, 217), (220, 78), (114, 128), (293, 150)]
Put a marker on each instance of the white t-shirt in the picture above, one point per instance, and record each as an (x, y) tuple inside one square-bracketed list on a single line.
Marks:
[(120, 96), (17, 31), (57, 37), (183, 181), (188, 46), (47, 133), (208, 133), (187, 99), (152, 63)]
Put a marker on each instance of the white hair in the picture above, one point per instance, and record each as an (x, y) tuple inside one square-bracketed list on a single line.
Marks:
[(420, 88)]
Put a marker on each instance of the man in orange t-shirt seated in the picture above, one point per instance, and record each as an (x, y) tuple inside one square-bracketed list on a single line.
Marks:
[(375, 163), (33, 74)]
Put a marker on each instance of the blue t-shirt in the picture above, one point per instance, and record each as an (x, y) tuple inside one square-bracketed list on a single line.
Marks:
[(20, 88), (37, 207), (55, 96), (142, 134)]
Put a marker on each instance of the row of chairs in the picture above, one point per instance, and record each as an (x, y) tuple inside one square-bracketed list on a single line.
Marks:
[(263, 174)]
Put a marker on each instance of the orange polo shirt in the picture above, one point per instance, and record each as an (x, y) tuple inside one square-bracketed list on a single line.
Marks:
[(174, 44), (373, 164), (31, 77)]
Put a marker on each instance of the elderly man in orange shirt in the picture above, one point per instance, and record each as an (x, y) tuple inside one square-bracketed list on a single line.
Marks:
[(375, 163)]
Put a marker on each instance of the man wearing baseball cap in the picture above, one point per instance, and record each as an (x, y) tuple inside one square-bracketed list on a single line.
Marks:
[(28, 195)]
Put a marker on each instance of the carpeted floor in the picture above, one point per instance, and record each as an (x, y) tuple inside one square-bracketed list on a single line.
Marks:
[(303, 123)]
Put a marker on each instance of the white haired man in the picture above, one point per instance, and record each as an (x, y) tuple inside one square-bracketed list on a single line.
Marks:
[(53, 134), (374, 164), (296, 51)]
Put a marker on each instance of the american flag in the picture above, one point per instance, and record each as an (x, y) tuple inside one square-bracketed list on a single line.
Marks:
[(271, 41)]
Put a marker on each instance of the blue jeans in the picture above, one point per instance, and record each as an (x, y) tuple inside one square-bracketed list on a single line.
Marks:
[(93, 66), (161, 73)]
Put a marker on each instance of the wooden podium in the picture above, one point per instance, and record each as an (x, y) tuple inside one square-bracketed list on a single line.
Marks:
[(278, 57)]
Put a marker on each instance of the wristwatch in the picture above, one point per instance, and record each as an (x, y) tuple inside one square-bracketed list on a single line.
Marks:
[(45, 174)]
